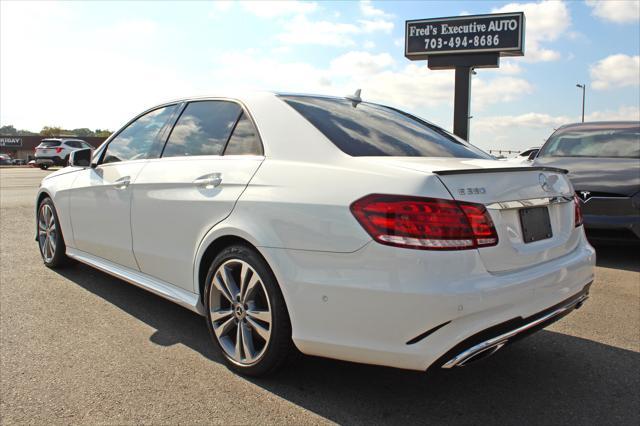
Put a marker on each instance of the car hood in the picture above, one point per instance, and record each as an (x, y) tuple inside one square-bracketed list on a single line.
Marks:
[(609, 175)]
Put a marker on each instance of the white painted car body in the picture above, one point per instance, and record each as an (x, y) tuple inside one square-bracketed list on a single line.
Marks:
[(348, 296)]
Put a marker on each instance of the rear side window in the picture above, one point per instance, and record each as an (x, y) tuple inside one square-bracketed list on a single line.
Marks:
[(366, 129), (244, 140), (612, 143), (49, 144), (203, 128), (73, 144), (136, 140)]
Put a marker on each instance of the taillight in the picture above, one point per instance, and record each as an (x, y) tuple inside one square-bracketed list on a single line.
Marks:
[(59, 150), (425, 223), (577, 211)]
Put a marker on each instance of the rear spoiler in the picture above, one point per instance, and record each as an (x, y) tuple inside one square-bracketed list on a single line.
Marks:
[(500, 170)]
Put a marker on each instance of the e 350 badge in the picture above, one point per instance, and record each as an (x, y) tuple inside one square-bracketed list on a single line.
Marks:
[(471, 191)]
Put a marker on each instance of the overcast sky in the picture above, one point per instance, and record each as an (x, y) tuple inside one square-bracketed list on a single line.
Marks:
[(96, 64)]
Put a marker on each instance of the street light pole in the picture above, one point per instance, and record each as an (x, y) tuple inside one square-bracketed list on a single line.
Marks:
[(584, 88)]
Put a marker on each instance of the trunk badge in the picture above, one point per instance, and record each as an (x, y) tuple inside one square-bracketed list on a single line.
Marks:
[(547, 182)]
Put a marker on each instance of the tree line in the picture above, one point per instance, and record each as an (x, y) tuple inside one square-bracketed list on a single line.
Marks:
[(56, 131)]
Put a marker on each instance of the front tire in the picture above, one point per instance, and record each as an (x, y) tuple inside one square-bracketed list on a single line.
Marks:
[(246, 313), (50, 240), (44, 166)]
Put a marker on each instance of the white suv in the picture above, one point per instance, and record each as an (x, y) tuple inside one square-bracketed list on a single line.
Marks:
[(55, 152)]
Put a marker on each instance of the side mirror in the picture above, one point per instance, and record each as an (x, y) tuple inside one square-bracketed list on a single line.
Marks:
[(81, 158), (533, 155)]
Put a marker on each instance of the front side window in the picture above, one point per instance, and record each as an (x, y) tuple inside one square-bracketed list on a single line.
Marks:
[(365, 129), (203, 128), (136, 140), (612, 143)]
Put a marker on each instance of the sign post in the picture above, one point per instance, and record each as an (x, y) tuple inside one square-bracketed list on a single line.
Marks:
[(464, 43)]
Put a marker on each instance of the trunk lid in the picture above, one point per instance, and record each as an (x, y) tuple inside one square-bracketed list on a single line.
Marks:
[(45, 151), (47, 148), (505, 190)]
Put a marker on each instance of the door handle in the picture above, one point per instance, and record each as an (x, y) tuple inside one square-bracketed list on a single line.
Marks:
[(123, 182), (209, 181)]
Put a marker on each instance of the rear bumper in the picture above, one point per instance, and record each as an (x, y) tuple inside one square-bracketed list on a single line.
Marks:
[(612, 228), (56, 161), (612, 218), (480, 345), (407, 308)]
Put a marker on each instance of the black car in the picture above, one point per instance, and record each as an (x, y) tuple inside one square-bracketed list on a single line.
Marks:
[(603, 160)]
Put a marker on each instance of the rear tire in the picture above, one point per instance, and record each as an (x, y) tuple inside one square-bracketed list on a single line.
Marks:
[(246, 313), (50, 239)]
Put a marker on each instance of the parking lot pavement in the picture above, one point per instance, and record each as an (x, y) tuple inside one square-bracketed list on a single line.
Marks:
[(78, 346)]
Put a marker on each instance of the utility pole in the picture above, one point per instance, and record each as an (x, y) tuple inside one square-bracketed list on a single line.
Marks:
[(584, 88)]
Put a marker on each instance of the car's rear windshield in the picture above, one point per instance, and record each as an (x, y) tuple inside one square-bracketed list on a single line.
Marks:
[(612, 143), (49, 144), (366, 129)]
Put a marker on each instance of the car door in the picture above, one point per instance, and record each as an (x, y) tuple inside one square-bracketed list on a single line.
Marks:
[(100, 199), (192, 187)]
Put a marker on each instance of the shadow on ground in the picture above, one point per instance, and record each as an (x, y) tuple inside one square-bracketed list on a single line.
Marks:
[(618, 257), (547, 378)]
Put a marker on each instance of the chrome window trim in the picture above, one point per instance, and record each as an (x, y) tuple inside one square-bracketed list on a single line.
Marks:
[(532, 202)]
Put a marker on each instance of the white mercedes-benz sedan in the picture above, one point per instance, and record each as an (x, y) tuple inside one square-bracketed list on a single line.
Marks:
[(342, 228)]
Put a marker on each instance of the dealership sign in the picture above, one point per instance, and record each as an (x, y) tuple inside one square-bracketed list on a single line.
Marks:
[(11, 142), (501, 33)]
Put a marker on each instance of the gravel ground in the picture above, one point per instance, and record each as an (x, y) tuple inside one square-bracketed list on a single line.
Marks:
[(78, 346)]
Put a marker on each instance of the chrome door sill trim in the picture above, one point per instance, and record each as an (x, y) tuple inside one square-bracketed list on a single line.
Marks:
[(158, 287), (497, 342)]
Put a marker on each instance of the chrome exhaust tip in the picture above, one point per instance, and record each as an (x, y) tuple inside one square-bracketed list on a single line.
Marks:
[(491, 346), (476, 354), (484, 353)]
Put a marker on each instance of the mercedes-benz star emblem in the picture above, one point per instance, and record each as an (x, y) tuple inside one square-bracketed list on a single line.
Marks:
[(543, 182)]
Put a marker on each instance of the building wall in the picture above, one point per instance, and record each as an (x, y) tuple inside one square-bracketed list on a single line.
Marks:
[(24, 146)]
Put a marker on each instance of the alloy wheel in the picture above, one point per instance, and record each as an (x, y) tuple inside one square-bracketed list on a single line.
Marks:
[(47, 232), (240, 312)]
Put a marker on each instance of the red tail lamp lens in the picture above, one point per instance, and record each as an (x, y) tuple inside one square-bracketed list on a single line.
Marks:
[(577, 211), (58, 150), (425, 223)]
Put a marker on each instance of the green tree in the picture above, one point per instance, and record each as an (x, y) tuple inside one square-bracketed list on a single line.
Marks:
[(51, 131), (103, 133), (83, 132), (8, 130), (27, 132)]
